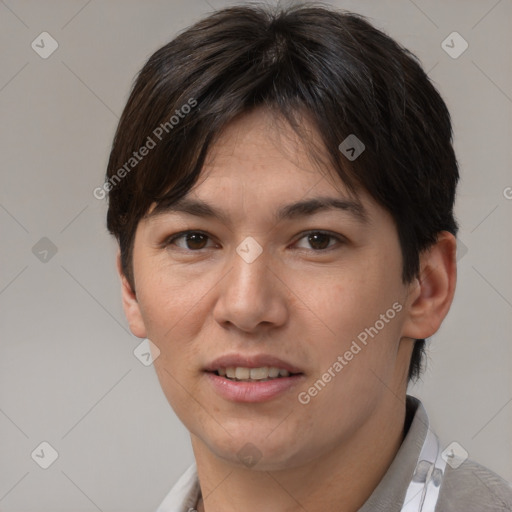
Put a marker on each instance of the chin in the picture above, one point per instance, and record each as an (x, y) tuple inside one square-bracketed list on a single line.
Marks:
[(258, 451)]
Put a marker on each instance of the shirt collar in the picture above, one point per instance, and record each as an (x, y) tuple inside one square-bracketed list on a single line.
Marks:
[(389, 494), (184, 494)]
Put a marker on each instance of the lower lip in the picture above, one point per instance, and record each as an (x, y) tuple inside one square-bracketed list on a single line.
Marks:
[(239, 391)]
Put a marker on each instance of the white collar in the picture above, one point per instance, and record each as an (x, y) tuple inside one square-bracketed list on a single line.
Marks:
[(185, 493)]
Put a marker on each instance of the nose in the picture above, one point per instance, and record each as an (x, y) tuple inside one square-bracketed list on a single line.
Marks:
[(251, 297)]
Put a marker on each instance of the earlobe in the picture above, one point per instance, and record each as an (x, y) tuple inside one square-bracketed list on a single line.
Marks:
[(431, 294), (130, 303)]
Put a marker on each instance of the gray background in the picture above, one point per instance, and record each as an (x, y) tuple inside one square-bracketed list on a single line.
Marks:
[(68, 375)]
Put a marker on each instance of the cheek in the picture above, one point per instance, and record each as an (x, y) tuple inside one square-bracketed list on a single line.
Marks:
[(356, 315), (168, 303), (347, 303), (178, 388)]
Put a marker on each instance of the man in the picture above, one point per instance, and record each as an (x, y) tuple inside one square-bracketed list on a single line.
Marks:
[(281, 185)]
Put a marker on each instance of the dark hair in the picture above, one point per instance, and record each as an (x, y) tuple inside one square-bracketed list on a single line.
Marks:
[(307, 61)]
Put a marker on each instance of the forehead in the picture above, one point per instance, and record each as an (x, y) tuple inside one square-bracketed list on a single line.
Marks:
[(259, 152), (259, 166)]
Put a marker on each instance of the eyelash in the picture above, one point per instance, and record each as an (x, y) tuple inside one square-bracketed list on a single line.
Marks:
[(340, 239)]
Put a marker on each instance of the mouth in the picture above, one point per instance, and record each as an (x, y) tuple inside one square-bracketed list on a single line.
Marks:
[(256, 378), (259, 374)]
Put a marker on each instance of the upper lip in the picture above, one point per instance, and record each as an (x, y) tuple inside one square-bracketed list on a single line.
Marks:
[(247, 361)]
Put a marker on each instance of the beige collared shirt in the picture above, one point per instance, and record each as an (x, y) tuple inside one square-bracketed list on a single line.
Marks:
[(468, 488)]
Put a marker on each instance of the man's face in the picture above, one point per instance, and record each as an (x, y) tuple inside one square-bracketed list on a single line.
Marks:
[(325, 289)]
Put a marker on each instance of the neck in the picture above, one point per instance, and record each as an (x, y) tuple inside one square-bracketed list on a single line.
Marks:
[(341, 479)]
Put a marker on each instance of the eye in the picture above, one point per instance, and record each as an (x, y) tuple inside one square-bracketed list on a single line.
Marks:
[(190, 240), (193, 241), (319, 240)]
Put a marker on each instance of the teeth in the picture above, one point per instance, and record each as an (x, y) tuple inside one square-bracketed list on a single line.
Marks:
[(259, 373), (273, 372), (242, 373)]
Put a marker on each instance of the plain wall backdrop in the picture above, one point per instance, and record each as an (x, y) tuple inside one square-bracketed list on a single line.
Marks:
[(68, 373)]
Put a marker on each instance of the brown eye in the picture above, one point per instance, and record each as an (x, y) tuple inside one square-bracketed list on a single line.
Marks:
[(189, 240), (320, 241), (196, 240)]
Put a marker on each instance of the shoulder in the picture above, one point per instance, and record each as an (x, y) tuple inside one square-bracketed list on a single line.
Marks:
[(473, 488)]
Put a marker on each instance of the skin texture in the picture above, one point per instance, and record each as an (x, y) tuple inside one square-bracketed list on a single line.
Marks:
[(297, 302)]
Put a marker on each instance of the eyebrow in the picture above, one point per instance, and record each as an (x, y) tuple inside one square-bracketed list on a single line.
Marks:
[(290, 211)]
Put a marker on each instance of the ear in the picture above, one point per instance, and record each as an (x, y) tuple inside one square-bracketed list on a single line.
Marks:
[(130, 304), (431, 294)]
